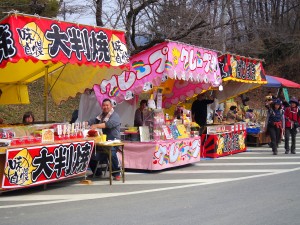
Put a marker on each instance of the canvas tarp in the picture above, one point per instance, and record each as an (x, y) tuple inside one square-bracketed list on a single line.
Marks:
[(73, 56)]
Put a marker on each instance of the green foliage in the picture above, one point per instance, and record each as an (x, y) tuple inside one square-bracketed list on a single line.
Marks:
[(276, 50), (47, 8)]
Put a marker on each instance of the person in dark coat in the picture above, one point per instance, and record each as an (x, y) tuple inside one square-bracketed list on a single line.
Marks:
[(139, 114), (275, 124), (74, 116), (199, 111)]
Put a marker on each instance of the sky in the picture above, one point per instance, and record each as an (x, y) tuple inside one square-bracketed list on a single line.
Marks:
[(87, 18)]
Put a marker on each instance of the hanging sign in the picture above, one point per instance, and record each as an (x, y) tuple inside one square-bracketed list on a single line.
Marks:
[(181, 70), (34, 38), (241, 69)]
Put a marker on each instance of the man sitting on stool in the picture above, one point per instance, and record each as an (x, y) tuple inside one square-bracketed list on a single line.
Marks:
[(109, 122)]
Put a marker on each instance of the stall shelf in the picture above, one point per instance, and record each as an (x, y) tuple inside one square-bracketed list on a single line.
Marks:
[(223, 140), (258, 139)]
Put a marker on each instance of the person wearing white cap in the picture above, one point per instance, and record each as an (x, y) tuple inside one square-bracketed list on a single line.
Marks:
[(292, 120)]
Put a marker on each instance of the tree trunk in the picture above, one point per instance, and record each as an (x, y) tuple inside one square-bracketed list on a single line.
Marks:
[(99, 12)]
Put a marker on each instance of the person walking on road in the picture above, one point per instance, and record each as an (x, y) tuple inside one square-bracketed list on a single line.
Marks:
[(275, 124), (292, 120)]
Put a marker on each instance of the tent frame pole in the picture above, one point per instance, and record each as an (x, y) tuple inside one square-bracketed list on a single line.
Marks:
[(46, 95)]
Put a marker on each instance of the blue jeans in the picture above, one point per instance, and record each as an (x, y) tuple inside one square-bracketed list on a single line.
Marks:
[(102, 156)]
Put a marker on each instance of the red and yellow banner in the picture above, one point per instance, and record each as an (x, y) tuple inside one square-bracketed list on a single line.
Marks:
[(241, 69), (34, 38), (44, 164)]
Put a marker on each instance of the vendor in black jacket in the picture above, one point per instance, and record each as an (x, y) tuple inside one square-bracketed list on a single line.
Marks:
[(199, 111)]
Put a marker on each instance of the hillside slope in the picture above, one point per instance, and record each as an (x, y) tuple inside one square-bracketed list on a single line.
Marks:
[(59, 113)]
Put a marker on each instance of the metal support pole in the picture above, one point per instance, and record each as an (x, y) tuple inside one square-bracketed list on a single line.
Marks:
[(46, 95)]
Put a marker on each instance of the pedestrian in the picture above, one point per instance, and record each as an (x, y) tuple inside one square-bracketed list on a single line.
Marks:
[(275, 124), (292, 120), (268, 101)]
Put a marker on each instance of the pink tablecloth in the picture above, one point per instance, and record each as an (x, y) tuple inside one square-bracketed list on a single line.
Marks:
[(161, 154)]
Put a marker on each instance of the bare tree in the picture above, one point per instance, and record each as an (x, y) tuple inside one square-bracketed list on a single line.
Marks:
[(257, 28)]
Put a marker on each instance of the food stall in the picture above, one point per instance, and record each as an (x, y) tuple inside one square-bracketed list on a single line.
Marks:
[(171, 72), (239, 75), (71, 57)]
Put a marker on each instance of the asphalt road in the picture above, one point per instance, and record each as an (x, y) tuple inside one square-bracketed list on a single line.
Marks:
[(249, 188)]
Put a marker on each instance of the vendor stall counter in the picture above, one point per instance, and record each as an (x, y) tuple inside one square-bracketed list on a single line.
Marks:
[(222, 140), (28, 162), (163, 154)]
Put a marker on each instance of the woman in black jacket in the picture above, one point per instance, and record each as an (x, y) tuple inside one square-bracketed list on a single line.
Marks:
[(275, 124)]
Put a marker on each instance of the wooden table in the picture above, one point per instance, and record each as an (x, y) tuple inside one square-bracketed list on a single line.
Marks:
[(108, 148), (258, 139)]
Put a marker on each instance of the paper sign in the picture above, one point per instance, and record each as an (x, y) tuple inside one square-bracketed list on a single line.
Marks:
[(47, 135), (167, 132), (144, 133), (182, 131), (174, 131)]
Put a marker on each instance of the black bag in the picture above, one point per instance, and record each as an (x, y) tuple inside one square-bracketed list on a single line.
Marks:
[(296, 124)]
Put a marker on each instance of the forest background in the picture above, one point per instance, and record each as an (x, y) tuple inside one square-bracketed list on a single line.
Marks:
[(264, 29)]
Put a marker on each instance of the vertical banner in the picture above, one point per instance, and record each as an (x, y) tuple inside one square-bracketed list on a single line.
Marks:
[(286, 94)]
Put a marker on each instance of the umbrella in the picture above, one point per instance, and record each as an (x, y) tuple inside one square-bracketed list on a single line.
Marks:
[(272, 82), (280, 82)]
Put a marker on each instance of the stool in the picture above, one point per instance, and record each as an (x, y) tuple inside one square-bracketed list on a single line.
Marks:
[(101, 165)]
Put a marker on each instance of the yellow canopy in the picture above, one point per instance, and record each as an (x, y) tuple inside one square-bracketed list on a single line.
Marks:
[(73, 57)]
